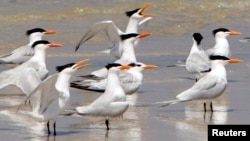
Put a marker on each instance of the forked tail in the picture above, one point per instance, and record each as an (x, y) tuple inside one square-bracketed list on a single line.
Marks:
[(167, 103)]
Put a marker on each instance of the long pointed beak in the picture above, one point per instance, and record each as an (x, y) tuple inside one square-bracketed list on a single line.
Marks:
[(143, 35), (232, 32), (143, 8), (125, 67), (234, 60), (149, 66), (80, 64), (55, 45), (50, 32)]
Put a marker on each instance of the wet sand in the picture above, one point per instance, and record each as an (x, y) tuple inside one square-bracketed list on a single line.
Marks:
[(142, 121)]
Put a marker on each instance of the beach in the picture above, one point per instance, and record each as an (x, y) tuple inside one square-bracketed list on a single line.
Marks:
[(170, 42)]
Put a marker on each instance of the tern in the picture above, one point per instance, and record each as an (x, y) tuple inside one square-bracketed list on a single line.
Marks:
[(221, 46), (136, 18), (131, 79), (24, 53), (128, 54), (112, 102), (210, 86), (99, 76), (52, 95), (198, 62), (28, 75)]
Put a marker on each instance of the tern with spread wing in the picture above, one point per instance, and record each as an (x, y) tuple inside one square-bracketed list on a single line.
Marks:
[(128, 55), (112, 102), (136, 17), (29, 74), (52, 95), (98, 77), (210, 86), (24, 53)]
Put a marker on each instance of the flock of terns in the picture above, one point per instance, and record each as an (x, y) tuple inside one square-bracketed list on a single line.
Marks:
[(48, 95)]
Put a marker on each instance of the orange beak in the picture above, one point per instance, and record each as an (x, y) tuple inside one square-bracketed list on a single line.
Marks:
[(47, 32), (232, 32), (80, 64), (233, 60), (143, 35), (143, 8), (55, 45), (150, 66)]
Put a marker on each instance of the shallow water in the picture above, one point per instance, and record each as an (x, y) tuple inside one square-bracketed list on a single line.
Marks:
[(172, 27), (71, 19)]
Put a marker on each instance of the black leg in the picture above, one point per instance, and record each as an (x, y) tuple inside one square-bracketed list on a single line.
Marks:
[(107, 123), (48, 128), (204, 116), (54, 128), (211, 116), (205, 110), (211, 106)]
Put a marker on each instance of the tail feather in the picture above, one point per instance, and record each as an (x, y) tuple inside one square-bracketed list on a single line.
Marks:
[(4, 59), (179, 63), (75, 85), (91, 77), (107, 51), (3, 62), (82, 110), (82, 87), (170, 102), (68, 112), (176, 65)]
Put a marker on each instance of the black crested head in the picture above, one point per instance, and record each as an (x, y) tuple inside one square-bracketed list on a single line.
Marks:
[(112, 65), (218, 57), (127, 36), (60, 68), (197, 37), (40, 42), (130, 13), (34, 30), (220, 30)]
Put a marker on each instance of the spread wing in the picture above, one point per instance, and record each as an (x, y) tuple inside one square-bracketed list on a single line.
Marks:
[(26, 79), (108, 27), (42, 95)]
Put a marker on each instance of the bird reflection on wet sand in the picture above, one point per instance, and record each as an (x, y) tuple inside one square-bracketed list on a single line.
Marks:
[(193, 126)]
